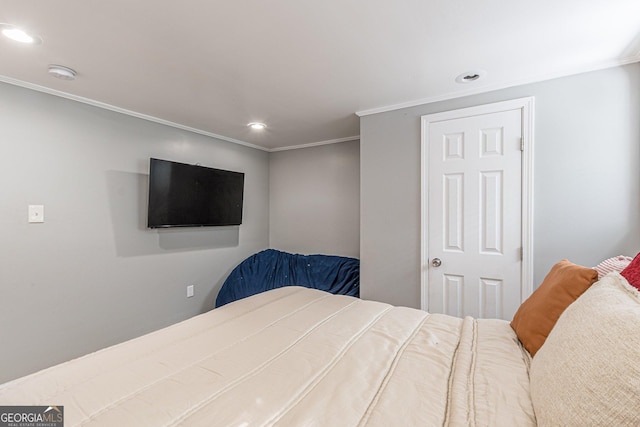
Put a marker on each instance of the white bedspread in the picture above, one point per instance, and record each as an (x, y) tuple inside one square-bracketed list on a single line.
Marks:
[(296, 357)]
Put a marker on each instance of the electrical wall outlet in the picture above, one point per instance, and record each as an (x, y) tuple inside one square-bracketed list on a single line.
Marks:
[(190, 290)]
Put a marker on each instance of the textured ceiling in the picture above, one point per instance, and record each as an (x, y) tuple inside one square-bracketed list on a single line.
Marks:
[(305, 68)]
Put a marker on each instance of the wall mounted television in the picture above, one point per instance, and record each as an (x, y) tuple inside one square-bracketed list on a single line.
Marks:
[(182, 195)]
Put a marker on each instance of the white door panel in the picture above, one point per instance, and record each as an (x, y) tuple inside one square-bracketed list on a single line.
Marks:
[(474, 214)]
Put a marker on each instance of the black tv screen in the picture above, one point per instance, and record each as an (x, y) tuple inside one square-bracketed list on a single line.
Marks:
[(182, 195)]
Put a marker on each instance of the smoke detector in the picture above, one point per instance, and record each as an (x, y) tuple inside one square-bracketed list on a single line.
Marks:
[(63, 73)]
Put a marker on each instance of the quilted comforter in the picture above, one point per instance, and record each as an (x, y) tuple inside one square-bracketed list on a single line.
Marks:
[(296, 357)]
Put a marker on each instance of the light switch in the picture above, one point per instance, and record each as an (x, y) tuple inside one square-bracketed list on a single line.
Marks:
[(190, 290), (36, 213)]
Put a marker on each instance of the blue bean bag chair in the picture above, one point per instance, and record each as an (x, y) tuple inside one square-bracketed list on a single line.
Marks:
[(272, 269)]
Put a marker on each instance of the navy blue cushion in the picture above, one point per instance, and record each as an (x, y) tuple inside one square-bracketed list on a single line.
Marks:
[(272, 269)]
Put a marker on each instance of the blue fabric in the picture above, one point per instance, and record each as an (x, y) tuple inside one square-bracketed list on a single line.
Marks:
[(272, 269)]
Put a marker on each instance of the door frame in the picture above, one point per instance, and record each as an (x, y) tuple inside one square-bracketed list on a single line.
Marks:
[(526, 107)]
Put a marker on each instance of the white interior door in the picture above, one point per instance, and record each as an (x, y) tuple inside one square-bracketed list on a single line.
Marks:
[(474, 243)]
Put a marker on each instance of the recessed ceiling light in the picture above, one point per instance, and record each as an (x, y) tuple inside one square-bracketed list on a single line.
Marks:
[(257, 125), (470, 76), (63, 73), (19, 35)]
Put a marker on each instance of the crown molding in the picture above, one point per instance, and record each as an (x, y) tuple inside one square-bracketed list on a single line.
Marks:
[(315, 144), (393, 107), (494, 87), (131, 113), (147, 117)]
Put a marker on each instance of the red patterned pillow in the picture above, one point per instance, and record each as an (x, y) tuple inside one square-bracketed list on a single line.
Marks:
[(632, 272)]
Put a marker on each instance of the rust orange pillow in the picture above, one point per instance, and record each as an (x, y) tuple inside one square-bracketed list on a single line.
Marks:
[(538, 314), (632, 272)]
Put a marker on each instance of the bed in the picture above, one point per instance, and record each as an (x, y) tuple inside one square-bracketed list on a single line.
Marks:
[(295, 356)]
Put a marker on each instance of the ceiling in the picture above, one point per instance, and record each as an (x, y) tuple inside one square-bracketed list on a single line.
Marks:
[(305, 68)]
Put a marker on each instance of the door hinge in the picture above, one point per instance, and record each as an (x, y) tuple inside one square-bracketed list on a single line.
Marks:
[(521, 254), (522, 144)]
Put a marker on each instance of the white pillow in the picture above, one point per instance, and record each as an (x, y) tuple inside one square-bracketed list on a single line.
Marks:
[(587, 373)]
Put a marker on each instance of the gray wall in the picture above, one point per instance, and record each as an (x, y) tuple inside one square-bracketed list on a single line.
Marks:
[(315, 199), (586, 177), (92, 275)]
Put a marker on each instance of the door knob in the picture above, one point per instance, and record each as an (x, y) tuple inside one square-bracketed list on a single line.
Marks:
[(436, 262)]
